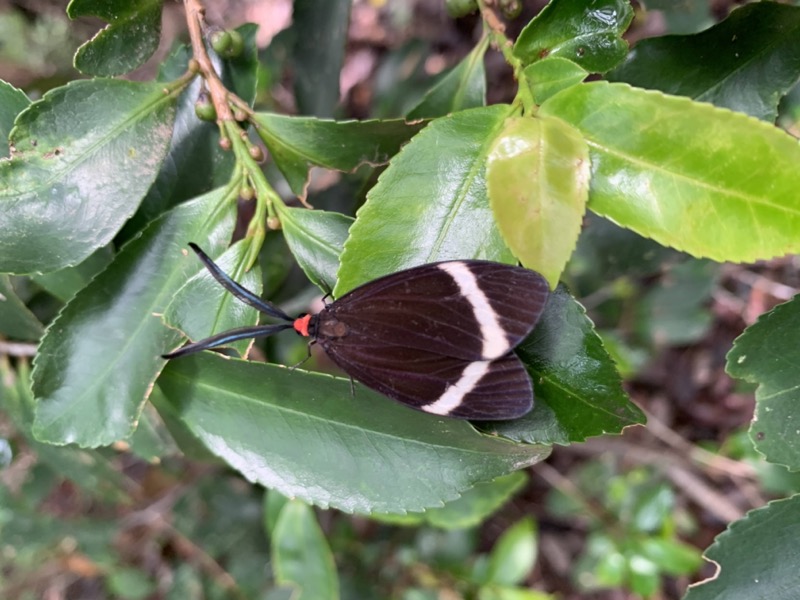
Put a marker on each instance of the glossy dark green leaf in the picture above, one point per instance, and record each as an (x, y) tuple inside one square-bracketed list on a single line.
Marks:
[(430, 204), (131, 37), (587, 33), (202, 307), (65, 283), (195, 163), (297, 143), (306, 435), (755, 556), (711, 182), (98, 359), (471, 509), (85, 156), (321, 34), (12, 102), (301, 556), (538, 182), (16, 321), (748, 62), (462, 88), (578, 390), (316, 238), (767, 354), (549, 76)]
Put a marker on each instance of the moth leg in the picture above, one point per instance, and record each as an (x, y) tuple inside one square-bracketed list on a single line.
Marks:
[(311, 343)]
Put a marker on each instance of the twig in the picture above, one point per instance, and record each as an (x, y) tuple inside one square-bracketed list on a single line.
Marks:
[(17, 348), (699, 455), (195, 17)]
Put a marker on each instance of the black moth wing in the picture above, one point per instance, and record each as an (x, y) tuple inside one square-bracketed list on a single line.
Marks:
[(425, 308), (421, 380)]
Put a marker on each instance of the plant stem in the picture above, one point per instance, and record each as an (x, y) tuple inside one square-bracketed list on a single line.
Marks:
[(195, 16)]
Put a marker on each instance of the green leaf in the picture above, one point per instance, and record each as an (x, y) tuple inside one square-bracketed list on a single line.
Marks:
[(321, 34), (643, 576), (85, 155), (202, 307), (16, 320), (514, 554), (671, 556), (87, 469), (126, 43), (578, 392), (307, 436), (686, 16), (676, 311), (748, 62), (708, 181), (301, 556), (462, 88), (430, 204), (499, 592), (549, 76), (316, 239), (65, 283), (274, 502), (297, 143), (195, 163), (756, 556), (98, 359), (608, 254), (471, 509), (151, 441), (538, 181), (767, 354), (587, 33), (129, 584), (184, 439), (12, 102)]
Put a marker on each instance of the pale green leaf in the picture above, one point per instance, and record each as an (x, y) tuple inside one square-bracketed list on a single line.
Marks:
[(711, 182), (538, 180)]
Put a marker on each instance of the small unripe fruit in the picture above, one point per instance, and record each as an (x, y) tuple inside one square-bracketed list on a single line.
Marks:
[(273, 223), (256, 153), (204, 109), (237, 44), (221, 42), (461, 8), (228, 43), (247, 193), (511, 8)]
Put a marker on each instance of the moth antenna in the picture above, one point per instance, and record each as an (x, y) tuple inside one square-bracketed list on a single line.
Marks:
[(239, 291), (226, 337)]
